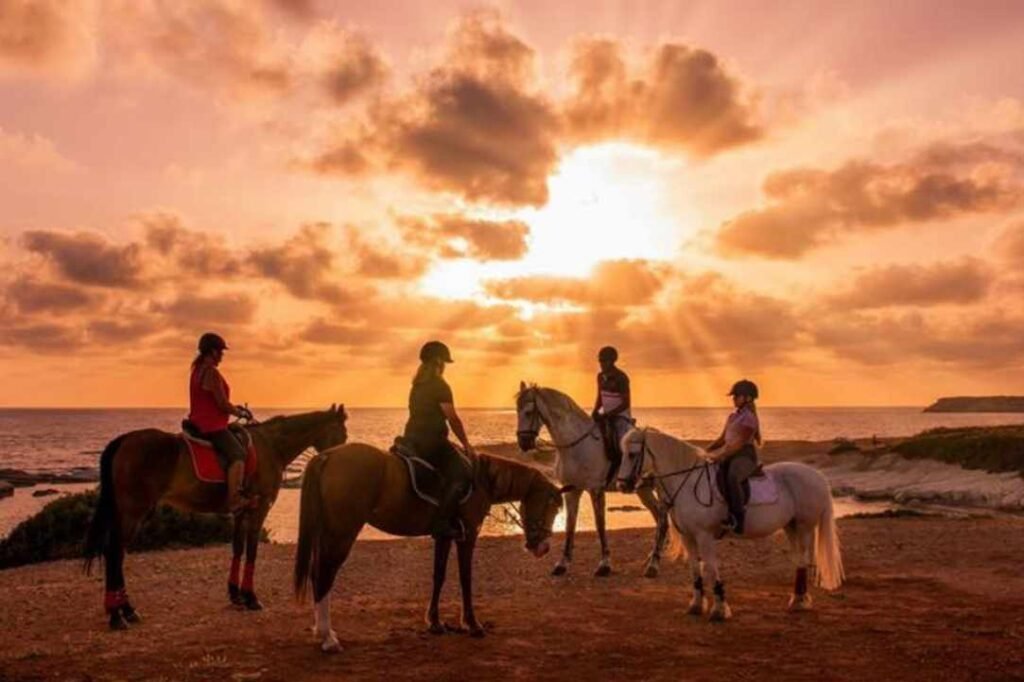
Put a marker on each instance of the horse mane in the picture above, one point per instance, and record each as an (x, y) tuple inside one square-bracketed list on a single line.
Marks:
[(556, 399), (695, 450), (504, 477)]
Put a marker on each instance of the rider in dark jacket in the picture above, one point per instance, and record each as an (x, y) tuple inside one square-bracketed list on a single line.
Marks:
[(431, 412)]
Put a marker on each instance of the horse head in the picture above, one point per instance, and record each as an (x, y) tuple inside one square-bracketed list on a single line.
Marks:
[(529, 418), (334, 431), (540, 506), (634, 460)]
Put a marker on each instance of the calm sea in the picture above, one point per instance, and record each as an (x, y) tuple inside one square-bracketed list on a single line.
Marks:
[(59, 439)]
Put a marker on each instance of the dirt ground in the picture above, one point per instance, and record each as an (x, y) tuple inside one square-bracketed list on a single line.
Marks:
[(926, 599)]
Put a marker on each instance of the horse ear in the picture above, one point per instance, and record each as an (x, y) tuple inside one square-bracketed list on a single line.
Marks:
[(341, 411), (566, 489), (334, 407), (522, 386)]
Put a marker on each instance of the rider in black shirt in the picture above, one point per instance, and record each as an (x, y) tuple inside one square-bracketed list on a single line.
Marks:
[(431, 412)]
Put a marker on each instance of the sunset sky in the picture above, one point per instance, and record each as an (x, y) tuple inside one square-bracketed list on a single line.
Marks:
[(825, 197)]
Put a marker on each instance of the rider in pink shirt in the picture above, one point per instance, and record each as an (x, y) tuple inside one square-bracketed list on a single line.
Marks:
[(736, 451)]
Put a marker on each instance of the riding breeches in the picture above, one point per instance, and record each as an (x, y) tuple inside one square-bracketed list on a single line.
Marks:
[(736, 469), (227, 446)]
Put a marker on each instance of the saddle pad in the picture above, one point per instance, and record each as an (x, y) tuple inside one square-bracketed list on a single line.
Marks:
[(206, 463), (764, 489), (423, 476)]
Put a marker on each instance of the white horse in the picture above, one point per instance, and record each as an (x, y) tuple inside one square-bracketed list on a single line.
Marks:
[(685, 479), (581, 465)]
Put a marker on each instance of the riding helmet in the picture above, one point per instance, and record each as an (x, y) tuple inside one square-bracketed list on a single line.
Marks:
[(744, 387), (210, 342), (435, 350), (608, 354)]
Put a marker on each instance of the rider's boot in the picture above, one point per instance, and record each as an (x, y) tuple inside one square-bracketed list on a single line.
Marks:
[(446, 524)]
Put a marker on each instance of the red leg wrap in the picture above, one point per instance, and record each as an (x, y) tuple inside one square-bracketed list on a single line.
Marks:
[(236, 564), (114, 599), (250, 568)]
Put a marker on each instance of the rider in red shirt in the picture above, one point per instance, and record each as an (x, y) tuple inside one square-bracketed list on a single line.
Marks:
[(210, 408)]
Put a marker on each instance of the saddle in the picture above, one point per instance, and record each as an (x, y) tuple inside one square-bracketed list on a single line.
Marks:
[(760, 488), (425, 480), (208, 464)]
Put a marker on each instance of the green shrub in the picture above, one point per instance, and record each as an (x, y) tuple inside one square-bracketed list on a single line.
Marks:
[(990, 448), (57, 531), (843, 445)]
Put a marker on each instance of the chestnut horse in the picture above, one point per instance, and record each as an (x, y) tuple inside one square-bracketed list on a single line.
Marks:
[(141, 468), (352, 485)]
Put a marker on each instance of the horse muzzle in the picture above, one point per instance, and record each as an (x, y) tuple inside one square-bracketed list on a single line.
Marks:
[(540, 549), (526, 441)]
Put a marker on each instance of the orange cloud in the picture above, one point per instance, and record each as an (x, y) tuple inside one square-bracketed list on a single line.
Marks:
[(86, 258), (960, 282), (303, 265), (32, 296), (457, 236), (685, 99), (612, 283), (809, 207), (41, 36)]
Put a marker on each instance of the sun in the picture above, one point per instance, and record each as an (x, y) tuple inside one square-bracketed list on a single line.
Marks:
[(606, 202)]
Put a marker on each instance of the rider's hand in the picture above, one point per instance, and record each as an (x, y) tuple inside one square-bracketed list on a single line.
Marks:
[(470, 451), (596, 415)]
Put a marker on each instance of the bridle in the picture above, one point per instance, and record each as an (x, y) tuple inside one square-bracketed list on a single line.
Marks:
[(636, 471), (536, 421)]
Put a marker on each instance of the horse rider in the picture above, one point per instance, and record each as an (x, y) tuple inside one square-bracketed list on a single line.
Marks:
[(612, 405), (431, 413), (210, 408), (736, 451)]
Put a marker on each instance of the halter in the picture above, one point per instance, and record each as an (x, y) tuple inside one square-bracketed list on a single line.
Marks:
[(638, 467), (535, 423)]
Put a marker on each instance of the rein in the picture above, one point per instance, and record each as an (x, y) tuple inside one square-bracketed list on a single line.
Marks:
[(705, 472), (536, 421)]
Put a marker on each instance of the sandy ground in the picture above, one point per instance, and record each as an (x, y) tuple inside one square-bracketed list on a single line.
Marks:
[(927, 599)]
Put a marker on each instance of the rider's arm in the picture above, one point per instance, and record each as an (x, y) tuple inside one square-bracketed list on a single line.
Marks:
[(717, 443), (597, 401), (745, 436), (213, 383), (457, 428)]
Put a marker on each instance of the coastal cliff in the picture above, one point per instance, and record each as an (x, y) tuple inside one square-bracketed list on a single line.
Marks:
[(995, 403)]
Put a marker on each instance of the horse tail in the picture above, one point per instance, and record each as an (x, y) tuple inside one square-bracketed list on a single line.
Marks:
[(103, 530), (827, 555), (311, 513), (675, 548)]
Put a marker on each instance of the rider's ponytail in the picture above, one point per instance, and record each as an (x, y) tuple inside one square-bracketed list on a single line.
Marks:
[(758, 440), (427, 370)]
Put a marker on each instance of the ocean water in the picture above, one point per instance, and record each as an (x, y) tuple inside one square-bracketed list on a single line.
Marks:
[(60, 439)]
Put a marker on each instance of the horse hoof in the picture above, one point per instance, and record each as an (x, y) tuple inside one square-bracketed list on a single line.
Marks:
[(651, 572), (235, 595), (799, 603), (477, 632), (436, 628), (331, 645), (251, 601), (131, 615), (117, 622), (696, 608), (560, 569), (603, 571), (720, 614)]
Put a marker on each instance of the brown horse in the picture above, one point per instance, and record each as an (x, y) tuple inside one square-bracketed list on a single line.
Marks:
[(140, 468), (352, 485)]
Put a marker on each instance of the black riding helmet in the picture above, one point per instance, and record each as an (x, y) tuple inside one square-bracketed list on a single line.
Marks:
[(744, 387), (435, 350), (210, 342), (608, 354)]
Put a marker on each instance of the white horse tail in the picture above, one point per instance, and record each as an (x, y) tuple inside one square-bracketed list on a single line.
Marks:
[(675, 547), (827, 554)]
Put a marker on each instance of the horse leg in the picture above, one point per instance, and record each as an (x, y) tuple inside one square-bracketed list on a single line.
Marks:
[(465, 552), (572, 508), (720, 610), (115, 601), (801, 542), (334, 550), (653, 564), (696, 606), (604, 568), (442, 548), (252, 544), (237, 547)]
